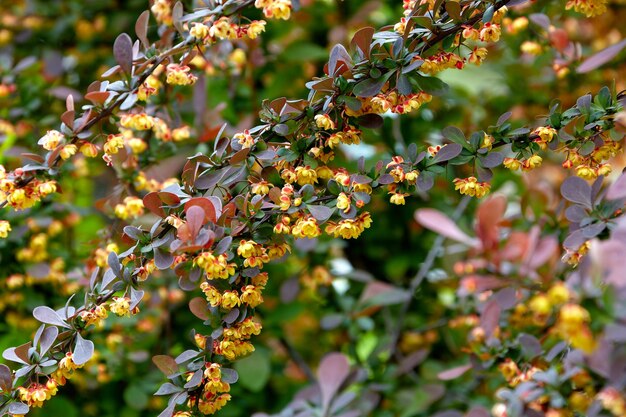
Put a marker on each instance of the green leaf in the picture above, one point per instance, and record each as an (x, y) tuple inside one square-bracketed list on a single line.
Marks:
[(432, 85), (254, 371)]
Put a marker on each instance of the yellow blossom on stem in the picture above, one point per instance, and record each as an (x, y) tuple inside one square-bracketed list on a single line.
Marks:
[(472, 187)]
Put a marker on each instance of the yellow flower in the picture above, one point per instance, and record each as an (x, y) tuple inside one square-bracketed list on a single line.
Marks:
[(51, 140), (244, 139), (512, 164), (223, 28), (398, 199), (230, 300), (470, 33), (251, 295), (306, 175), (470, 186), (5, 228), (323, 121), (343, 202), (199, 30), (179, 75), (120, 306), (306, 227), (531, 48), (531, 163), (89, 150), (68, 151), (490, 32), (261, 188), (590, 8), (255, 28), (586, 172), (181, 133)]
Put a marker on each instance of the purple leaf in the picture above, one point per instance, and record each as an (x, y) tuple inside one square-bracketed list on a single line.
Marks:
[(123, 52), (449, 151), (186, 356), (48, 337), (530, 345), (601, 58), (167, 389), (163, 260), (575, 214), (332, 372), (18, 408), (454, 372), (83, 350), (490, 317), (617, 190), (506, 298), (577, 191), (47, 315), (492, 160), (321, 213), (540, 19)]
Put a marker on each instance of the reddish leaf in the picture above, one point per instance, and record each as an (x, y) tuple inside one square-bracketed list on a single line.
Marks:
[(141, 28), (166, 364), (438, 222), (152, 202), (490, 214), (195, 219), (198, 306), (207, 205), (68, 118), (332, 372), (97, 97), (362, 40)]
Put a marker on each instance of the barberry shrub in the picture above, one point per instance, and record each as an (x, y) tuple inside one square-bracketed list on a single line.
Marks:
[(173, 226)]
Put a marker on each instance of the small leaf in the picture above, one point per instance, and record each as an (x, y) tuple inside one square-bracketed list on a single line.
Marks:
[(321, 213), (167, 389), (166, 364), (141, 28), (83, 350), (454, 134), (123, 52)]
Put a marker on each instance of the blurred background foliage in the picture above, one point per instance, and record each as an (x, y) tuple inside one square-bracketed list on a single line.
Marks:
[(317, 300)]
